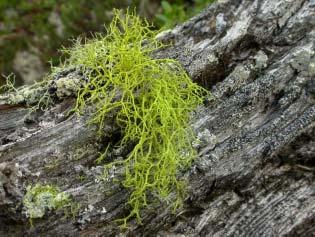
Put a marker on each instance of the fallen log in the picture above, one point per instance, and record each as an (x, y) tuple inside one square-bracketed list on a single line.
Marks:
[(254, 175)]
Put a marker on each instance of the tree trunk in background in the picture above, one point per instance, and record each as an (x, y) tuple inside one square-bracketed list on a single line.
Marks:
[(255, 173)]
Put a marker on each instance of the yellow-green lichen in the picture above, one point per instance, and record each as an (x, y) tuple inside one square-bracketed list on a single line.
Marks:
[(42, 198), (151, 99)]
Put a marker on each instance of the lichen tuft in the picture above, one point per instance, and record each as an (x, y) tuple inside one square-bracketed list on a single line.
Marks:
[(152, 100)]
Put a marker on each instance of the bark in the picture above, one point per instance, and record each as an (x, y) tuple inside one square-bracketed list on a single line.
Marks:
[(255, 172)]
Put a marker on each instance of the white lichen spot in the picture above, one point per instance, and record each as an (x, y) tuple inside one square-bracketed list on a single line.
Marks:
[(311, 69), (89, 208), (220, 23), (66, 86), (205, 138), (46, 124), (261, 60), (103, 210), (212, 59), (239, 75), (37, 173)]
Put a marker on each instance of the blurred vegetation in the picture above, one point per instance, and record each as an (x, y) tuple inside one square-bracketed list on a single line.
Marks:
[(38, 28), (177, 11)]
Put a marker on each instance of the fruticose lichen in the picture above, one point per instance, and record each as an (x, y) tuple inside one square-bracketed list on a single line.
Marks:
[(41, 198), (152, 100), (34, 97)]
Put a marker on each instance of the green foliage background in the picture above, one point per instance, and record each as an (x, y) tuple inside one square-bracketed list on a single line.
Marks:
[(25, 25)]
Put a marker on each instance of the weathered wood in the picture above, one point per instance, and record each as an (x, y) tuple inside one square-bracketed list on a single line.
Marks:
[(255, 172)]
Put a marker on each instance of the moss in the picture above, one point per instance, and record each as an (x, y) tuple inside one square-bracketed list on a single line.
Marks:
[(151, 99), (40, 198)]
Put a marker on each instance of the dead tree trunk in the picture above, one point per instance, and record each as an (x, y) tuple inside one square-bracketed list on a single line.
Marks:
[(255, 172)]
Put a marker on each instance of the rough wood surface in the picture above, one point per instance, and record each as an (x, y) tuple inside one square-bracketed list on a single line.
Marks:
[(255, 174)]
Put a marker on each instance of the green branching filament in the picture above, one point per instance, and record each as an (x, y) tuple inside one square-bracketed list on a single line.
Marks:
[(152, 100)]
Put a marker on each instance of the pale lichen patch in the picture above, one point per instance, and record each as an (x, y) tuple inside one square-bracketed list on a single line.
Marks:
[(42, 198)]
